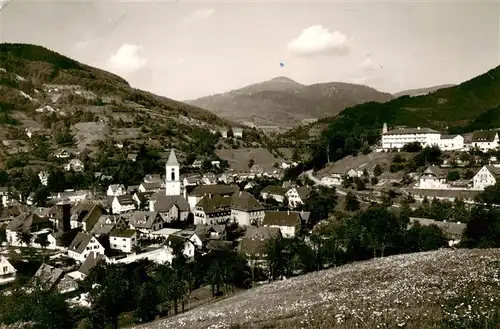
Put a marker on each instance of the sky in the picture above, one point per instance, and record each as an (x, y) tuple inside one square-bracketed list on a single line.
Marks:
[(185, 50)]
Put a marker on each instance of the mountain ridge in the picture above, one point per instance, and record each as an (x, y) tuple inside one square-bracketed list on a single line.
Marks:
[(421, 91), (284, 102)]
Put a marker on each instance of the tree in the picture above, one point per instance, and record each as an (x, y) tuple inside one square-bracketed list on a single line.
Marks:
[(42, 240), (483, 228), (216, 275), (453, 176), (351, 202), (321, 203), (41, 196), (377, 170), (107, 296), (251, 162), (425, 238), (147, 300), (374, 181), (3, 235), (25, 238)]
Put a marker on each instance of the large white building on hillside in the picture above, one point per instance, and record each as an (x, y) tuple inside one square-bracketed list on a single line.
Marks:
[(397, 138)]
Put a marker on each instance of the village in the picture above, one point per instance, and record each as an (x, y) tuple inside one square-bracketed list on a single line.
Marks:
[(172, 213)]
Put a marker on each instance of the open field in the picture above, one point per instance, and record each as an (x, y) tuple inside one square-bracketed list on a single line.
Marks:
[(88, 133), (409, 291), (238, 158)]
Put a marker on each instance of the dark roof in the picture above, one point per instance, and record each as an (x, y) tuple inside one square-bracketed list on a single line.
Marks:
[(125, 199), (434, 171), (90, 262), (244, 201), (303, 191), (164, 203), (144, 196), (495, 171), (277, 190), (219, 245), (125, 233), (143, 219), (25, 221), (151, 185), (214, 189), (50, 278), (174, 241), (483, 136), (282, 218), (101, 227), (13, 211), (214, 204), (448, 136), (405, 131), (255, 239), (92, 217), (80, 242)]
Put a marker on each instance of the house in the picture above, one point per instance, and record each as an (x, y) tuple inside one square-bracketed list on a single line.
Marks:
[(122, 203), (433, 178), (152, 178), (116, 190), (215, 163), (172, 208), (213, 209), (257, 170), (198, 163), (131, 189), (150, 187), (216, 232), (141, 199), (74, 165), (92, 260), (332, 179), (132, 157), (453, 231), (484, 140), (451, 142), (104, 225), (210, 190), (226, 178), (298, 195), (190, 181), (246, 209), (7, 271), (273, 192), (288, 222), (4, 196), (486, 176), (50, 237), (175, 243), (25, 223), (50, 278), (74, 196), (123, 240), (238, 132), (78, 212), (62, 154), (208, 179), (43, 176), (92, 217), (82, 245), (397, 138), (146, 221), (192, 236), (253, 243)]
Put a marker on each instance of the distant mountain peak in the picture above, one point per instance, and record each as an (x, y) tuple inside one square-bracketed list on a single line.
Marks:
[(283, 79)]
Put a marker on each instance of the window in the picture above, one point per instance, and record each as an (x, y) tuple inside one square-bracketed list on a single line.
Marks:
[(173, 174), (5, 269)]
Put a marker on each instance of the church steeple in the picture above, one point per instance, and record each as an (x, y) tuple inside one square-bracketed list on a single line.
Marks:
[(172, 179)]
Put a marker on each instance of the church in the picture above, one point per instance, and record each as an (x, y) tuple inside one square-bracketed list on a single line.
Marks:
[(172, 202)]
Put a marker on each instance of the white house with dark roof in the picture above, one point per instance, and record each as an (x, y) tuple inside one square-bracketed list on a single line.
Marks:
[(451, 142), (122, 203), (397, 138), (146, 221), (171, 207), (484, 140), (183, 244), (50, 278), (123, 239), (7, 271), (82, 245), (116, 190), (92, 260), (276, 193), (433, 178), (486, 176), (246, 209), (288, 222), (213, 209), (209, 190), (297, 195), (150, 187)]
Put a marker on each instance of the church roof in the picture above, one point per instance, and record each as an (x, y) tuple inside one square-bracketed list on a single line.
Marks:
[(172, 159)]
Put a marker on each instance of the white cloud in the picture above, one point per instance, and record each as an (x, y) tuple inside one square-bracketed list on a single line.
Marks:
[(316, 40), (198, 15), (127, 59), (367, 64)]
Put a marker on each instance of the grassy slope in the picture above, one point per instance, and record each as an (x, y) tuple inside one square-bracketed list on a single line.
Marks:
[(420, 91), (407, 289), (462, 107), (284, 102)]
